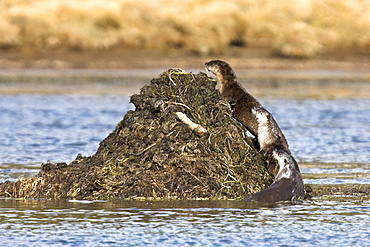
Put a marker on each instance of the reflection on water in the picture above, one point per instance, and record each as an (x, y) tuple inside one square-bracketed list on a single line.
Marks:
[(220, 223)]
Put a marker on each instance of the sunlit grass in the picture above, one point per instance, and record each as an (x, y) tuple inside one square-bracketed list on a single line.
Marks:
[(293, 28)]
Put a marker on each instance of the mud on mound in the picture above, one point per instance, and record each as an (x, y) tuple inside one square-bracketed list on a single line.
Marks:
[(151, 153)]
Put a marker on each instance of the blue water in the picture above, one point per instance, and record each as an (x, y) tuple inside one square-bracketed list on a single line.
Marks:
[(334, 134), (36, 128), (325, 130), (185, 223)]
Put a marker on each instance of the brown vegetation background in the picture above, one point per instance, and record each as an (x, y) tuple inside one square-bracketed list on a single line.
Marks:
[(71, 33)]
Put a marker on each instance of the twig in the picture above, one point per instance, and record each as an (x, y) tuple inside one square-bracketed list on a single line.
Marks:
[(175, 71), (196, 128)]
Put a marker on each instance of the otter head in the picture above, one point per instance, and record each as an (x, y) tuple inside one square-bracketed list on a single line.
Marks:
[(262, 116), (285, 162), (214, 66), (218, 67), (221, 69)]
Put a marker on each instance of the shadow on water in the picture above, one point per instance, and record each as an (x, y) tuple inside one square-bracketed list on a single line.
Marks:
[(137, 204)]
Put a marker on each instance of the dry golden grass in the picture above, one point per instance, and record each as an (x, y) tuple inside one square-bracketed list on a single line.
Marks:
[(293, 28)]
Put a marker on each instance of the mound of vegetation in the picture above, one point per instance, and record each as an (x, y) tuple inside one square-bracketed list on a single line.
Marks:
[(153, 154)]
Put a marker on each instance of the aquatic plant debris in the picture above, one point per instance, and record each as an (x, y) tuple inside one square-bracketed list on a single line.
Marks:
[(155, 153)]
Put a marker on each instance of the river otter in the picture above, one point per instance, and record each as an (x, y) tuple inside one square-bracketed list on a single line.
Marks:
[(240, 100), (270, 136), (288, 183)]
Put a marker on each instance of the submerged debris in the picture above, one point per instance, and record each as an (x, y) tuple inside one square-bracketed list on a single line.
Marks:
[(152, 153)]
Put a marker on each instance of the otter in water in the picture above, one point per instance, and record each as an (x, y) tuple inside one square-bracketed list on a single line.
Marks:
[(240, 100), (270, 136), (288, 183)]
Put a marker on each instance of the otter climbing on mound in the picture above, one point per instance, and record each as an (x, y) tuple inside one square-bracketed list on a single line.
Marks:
[(288, 184), (240, 100)]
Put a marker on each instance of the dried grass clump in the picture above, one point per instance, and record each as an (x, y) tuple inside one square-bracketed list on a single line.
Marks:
[(298, 40), (153, 154), (11, 31), (289, 28)]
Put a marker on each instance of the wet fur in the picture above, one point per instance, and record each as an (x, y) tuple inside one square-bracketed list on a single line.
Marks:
[(270, 136), (240, 100), (288, 183)]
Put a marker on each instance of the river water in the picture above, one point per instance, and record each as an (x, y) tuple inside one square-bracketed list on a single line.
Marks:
[(330, 137)]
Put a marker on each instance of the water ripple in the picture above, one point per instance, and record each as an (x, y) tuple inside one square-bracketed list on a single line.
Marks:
[(37, 128), (325, 130), (305, 224)]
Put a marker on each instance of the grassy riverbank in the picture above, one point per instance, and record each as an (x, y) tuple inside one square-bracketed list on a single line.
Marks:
[(295, 29)]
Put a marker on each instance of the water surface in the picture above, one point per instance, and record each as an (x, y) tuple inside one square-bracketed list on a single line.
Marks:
[(188, 223)]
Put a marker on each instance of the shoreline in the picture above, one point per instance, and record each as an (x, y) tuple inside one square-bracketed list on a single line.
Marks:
[(111, 71), (126, 58), (262, 83)]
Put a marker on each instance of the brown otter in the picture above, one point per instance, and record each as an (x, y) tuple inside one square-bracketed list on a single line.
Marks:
[(240, 100), (288, 183), (270, 136)]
